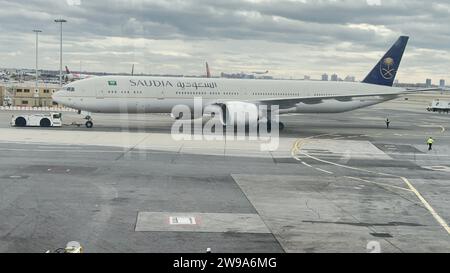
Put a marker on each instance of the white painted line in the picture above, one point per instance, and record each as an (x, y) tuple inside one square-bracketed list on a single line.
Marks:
[(322, 170), (427, 205), (62, 150), (59, 147), (306, 164), (377, 183), (344, 166), (411, 187), (434, 126)]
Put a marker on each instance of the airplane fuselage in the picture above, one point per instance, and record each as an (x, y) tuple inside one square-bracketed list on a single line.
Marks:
[(138, 94)]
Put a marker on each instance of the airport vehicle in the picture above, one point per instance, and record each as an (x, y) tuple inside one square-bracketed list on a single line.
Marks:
[(439, 106), (37, 120), (232, 97)]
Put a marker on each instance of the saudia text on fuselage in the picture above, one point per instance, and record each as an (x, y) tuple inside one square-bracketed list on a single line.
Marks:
[(167, 83)]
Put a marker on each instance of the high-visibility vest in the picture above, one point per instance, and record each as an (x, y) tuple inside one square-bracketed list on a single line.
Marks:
[(430, 141)]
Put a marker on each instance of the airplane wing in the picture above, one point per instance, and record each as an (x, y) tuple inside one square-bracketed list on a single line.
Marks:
[(413, 90), (292, 101)]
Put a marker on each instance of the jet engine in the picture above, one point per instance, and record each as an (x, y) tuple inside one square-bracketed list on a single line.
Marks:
[(236, 113)]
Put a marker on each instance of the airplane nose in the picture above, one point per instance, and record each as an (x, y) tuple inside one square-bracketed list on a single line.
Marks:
[(56, 97)]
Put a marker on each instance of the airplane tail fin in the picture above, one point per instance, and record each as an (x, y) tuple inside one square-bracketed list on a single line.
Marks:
[(385, 70), (67, 70)]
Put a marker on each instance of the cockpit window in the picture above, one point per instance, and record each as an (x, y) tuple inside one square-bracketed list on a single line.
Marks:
[(70, 89)]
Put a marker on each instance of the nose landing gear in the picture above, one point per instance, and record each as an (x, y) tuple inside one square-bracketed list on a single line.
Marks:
[(89, 123)]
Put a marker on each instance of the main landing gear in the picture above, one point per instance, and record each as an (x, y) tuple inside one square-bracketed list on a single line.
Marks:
[(280, 126)]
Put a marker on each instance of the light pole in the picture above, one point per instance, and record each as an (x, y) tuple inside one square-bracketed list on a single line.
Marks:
[(37, 31), (61, 21)]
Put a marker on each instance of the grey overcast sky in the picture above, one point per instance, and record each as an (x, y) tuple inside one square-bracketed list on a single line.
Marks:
[(290, 38)]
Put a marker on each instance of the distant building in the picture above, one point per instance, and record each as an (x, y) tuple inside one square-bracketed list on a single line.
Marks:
[(442, 83), (349, 79), (334, 78), (237, 76), (26, 94), (428, 83), (306, 78), (2, 95), (325, 77)]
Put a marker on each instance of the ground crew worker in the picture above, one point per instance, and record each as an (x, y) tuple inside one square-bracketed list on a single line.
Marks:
[(387, 123), (430, 142)]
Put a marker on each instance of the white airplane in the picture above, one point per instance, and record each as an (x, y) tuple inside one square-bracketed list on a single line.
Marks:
[(142, 94), (70, 76), (260, 72)]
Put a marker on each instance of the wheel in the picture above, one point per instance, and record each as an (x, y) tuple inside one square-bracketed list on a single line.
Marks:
[(89, 124), (45, 122), (269, 126), (20, 122)]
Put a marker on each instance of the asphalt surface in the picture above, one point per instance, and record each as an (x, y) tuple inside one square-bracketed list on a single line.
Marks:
[(338, 183)]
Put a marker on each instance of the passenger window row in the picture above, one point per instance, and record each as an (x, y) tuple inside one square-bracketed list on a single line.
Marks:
[(205, 93), (291, 94), (123, 92)]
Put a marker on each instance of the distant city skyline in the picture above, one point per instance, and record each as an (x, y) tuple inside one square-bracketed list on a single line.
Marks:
[(241, 75), (288, 38)]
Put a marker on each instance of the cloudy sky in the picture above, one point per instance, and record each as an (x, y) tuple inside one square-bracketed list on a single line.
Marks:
[(290, 38)]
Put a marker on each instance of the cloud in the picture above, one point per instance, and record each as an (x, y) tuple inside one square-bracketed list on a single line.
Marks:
[(289, 38)]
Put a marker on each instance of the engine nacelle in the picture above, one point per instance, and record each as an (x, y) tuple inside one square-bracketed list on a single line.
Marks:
[(238, 113)]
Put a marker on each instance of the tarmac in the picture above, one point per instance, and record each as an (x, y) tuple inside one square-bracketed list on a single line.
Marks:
[(335, 183)]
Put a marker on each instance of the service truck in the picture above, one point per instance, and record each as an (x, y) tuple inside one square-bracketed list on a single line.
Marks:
[(439, 106), (37, 120)]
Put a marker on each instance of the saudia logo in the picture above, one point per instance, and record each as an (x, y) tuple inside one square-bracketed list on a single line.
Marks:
[(154, 83), (387, 69)]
